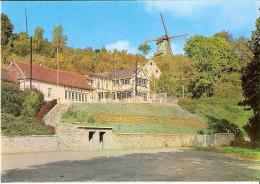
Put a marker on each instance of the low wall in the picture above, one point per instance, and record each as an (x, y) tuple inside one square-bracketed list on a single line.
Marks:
[(29, 144), (223, 139), (137, 141), (81, 138)]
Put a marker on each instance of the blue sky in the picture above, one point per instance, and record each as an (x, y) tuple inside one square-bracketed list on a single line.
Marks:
[(127, 24)]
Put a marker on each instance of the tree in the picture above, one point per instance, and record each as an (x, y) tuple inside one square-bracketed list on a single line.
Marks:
[(179, 74), (38, 36), (6, 29), (223, 34), (144, 48), (58, 39), (214, 58), (244, 54), (22, 45), (251, 86)]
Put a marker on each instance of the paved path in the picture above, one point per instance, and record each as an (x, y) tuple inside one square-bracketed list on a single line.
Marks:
[(149, 165)]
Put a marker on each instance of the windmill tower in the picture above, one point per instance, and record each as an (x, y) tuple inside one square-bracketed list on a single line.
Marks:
[(163, 42)]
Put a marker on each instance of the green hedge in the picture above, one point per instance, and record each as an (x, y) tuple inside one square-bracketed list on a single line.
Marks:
[(21, 126)]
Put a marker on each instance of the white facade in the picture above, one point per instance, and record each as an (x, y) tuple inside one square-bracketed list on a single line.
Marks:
[(152, 69), (63, 94)]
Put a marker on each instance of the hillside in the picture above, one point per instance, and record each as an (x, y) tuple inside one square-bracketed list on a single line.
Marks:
[(134, 118), (220, 109)]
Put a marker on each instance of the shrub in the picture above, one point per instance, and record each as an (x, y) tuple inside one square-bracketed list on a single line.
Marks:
[(33, 101), (223, 126), (12, 99), (187, 104), (21, 126)]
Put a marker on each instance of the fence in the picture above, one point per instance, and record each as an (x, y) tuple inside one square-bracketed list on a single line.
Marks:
[(214, 140)]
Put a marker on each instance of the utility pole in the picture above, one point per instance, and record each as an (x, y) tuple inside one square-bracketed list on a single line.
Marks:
[(136, 78), (57, 67), (26, 21), (115, 80), (31, 66)]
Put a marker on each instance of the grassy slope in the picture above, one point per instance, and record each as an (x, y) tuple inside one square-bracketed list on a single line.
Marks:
[(223, 109), (127, 118)]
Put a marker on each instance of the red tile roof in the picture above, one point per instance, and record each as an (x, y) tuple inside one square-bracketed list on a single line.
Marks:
[(120, 74), (50, 76), (7, 76)]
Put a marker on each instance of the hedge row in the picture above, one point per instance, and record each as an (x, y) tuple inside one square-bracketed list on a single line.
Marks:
[(43, 111)]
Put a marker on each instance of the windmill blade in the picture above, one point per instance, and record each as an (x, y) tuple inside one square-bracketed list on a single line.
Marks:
[(152, 39), (166, 34), (174, 38)]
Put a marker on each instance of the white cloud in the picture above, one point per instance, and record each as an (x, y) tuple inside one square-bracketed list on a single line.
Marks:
[(230, 15), (177, 8), (122, 45)]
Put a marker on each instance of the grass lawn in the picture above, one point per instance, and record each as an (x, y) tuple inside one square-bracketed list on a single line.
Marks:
[(134, 118), (240, 152), (223, 109)]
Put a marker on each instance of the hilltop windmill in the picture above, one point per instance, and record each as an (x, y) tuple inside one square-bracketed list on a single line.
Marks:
[(163, 42)]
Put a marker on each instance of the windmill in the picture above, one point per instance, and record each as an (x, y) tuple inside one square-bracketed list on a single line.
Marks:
[(163, 42)]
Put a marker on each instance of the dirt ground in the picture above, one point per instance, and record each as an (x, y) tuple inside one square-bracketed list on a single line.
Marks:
[(146, 165)]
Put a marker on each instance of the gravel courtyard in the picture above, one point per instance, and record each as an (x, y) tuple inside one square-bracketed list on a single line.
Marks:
[(142, 165)]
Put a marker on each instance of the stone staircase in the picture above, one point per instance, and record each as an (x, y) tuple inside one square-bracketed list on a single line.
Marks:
[(55, 114)]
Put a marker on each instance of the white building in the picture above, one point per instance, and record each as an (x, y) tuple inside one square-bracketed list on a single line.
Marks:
[(64, 86), (152, 69)]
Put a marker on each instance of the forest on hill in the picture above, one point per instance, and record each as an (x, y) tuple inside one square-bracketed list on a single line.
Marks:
[(217, 66)]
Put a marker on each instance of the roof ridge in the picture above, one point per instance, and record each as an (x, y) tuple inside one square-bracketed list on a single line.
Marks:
[(49, 68)]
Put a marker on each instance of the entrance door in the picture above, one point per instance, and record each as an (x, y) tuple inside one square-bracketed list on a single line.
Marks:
[(101, 139)]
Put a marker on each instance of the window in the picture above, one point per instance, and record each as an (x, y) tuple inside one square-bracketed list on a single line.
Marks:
[(151, 63), (79, 97), (69, 95), (83, 97), (76, 95), (66, 95), (115, 82), (72, 96), (156, 71), (107, 85), (98, 85), (49, 92), (125, 81)]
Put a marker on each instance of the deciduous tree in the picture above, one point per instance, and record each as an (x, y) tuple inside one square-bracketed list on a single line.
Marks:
[(251, 86)]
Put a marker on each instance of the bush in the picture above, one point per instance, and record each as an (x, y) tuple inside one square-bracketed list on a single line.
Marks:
[(187, 104), (12, 99), (223, 126), (33, 101), (21, 126)]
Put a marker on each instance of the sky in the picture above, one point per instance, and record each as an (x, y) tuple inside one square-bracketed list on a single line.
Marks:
[(127, 24)]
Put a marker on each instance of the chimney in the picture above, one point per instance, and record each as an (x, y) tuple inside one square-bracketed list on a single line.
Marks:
[(40, 63)]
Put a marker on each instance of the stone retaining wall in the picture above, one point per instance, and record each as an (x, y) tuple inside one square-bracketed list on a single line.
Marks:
[(80, 138), (137, 141), (223, 139), (29, 144)]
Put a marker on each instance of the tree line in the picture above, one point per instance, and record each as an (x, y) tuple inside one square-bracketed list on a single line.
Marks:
[(81, 61)]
